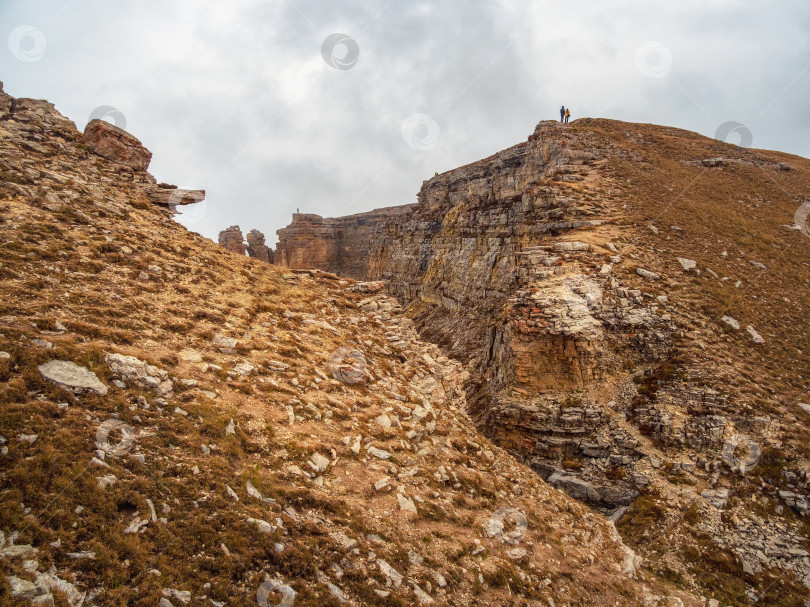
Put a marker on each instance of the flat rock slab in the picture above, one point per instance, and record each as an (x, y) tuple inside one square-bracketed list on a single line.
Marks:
[(69, 376)]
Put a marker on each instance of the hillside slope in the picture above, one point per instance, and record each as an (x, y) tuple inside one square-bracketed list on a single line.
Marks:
[(179, 426)]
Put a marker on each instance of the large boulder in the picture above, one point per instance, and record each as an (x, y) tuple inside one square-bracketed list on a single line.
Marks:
[(116, 144), (71, 377)]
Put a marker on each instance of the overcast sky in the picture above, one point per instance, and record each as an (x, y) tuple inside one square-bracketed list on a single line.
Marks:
[(260, 103)]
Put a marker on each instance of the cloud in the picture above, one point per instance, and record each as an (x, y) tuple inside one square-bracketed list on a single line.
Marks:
[(236, 97)]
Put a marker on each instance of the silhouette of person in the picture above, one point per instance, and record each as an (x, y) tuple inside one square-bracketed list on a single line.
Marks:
[(562, 113), (567, 114)]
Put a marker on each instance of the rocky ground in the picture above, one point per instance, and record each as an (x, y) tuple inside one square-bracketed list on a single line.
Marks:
[(184, 426)]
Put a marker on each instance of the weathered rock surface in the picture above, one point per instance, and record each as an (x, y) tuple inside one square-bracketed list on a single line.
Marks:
[(116, 144), (72, 377), (256, 247)]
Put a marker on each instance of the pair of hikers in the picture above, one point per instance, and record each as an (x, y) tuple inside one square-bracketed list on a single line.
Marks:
[(565, 114)]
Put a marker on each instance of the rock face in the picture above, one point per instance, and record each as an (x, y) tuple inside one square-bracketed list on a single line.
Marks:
[(116, 144), (340, 245), (232, 239), (256, 247)]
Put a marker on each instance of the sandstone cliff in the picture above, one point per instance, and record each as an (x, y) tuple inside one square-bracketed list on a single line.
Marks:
[(594, 280)]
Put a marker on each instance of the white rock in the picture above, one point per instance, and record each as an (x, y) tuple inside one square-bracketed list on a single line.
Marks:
[(394, 577), (378, 453), (406, 503), (687, 264), (231, 493), (756, 337), (731, 322), (647, 275), (263, 526), (22, 589), (320, 462), (69, 376)]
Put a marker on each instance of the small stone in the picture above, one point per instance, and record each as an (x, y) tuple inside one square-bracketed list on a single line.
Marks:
[(379, 453), (382, 484), (230, 428), (406, 503), (647, 275), (22, 589), (756, 337), (231, 493), (394, 577), (383, 420), (687, 264), (731, 322), (320, 462)]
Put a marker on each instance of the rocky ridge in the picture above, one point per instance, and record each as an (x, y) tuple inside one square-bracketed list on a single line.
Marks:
[(184, 426)]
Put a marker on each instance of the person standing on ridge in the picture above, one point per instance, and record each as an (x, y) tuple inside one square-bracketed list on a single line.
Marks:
[(562, 113), (567, 114)]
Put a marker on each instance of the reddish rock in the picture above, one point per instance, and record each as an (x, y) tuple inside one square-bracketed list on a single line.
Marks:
[(233, 240), (256, 247), (116, 144)]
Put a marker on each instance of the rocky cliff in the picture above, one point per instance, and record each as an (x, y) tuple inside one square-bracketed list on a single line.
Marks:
[(180, 425), (594, 280)]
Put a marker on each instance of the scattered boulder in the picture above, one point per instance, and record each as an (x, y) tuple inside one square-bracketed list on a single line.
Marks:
[(756, 337), (647, 275), (687, 264), (71, 377), (731, 322), (140, 373)]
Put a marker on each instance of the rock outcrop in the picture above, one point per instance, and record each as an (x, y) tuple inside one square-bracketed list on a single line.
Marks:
[(256, 247), (232, 239), (116, 144), (342, 245)]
